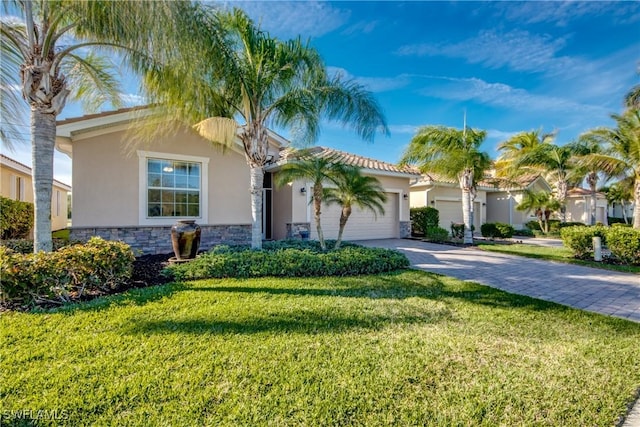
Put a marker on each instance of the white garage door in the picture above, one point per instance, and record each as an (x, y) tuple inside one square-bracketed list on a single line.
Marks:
[(449, 212), (362, 225)]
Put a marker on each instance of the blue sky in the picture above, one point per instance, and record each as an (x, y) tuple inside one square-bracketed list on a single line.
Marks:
[(512, 66)]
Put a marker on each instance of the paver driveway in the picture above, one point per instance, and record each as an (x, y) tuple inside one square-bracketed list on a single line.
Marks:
[(592, 289)]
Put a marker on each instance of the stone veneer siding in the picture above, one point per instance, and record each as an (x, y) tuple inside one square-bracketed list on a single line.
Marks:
[(157, 240), (405, 229), (294, 229)]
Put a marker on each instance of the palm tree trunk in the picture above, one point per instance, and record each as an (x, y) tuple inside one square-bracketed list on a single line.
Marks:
[(466, 216), (317, 209), (624, 211), (344, 217), (636, 206), (43, 135), (257, 179), (592, 179)]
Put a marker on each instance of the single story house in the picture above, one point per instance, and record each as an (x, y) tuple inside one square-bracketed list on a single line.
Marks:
[(134, 194), (16, 182), (446, 196), (579, 206)]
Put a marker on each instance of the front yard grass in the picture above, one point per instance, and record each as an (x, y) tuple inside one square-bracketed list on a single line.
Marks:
[(409, 348), (560, 254)]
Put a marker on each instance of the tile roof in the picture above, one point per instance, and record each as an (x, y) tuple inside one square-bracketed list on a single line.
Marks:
[(101, 114), (431, 177), (352, 160), (577, 191)]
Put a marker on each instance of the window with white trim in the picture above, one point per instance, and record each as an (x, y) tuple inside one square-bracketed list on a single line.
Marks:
[(173, 188)]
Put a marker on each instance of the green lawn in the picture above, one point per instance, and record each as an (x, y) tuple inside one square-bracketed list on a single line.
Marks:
[(560, 254), (411, 348)]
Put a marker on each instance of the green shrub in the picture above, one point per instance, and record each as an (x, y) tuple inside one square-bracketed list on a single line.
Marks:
[(25, 246), (457, 230), (562, 225), (490, 230), (304, 260), (533, 226), (621, 225), (423, 218), (624, 244), (16, 219), (613, 220), (580, 239), (68, 273), (554, 226), (497, 230), (506, 230), (524, 232), (436, 234)]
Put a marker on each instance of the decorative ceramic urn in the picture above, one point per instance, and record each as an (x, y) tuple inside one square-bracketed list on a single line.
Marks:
[(185, 238)]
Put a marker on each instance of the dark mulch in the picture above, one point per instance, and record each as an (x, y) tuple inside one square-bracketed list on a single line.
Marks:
[(147, 269)]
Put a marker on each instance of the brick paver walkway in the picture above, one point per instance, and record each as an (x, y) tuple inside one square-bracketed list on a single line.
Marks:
[(591, 289)]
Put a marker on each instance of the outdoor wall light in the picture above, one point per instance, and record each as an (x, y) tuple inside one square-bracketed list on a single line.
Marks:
[(405, 196), (484, 204), (303, 190), (433, 202)]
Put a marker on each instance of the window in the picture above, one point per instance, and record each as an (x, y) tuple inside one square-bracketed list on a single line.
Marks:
[(173, 188), (17, 187)]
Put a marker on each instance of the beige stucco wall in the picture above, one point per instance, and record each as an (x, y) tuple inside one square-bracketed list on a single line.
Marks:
[(106, 177), (579, 209), (437, 196), (282, 212), (58, 194)]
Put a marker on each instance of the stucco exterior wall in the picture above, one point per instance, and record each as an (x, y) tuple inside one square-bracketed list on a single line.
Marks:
[(579, 209), (107, 180), (282, 197)]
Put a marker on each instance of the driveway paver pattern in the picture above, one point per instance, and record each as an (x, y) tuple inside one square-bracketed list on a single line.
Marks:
[(592, 289)]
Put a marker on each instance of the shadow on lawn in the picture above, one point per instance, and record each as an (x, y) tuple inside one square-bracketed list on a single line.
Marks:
[(295, 322)]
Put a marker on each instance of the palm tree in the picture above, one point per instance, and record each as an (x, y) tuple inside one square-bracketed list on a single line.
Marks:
[(581, 149), (620, 192), (260, 81), (355, 189), (556, 163), (542, 204), (317, 169), (49, 53), (517, 146), (621, 157), (454, 154)]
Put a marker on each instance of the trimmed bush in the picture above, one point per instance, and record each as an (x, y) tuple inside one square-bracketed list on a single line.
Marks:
[(436, 234), (580, 239), (423, 218), (525, 233), (621, 225), (533, 226), (302, 259), (562, 225), (490, 230), (16, 219), (57, 277), (624, 244), (611, 220), (25, 246), (506, 230), (457, 230)]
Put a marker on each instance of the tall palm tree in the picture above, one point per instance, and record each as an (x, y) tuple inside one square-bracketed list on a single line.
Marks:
[(355, 189), (556, 163), (451, 153), (259, 82), (317, 169), (517, 146), (542, 203), (48, 51), (621, 157)]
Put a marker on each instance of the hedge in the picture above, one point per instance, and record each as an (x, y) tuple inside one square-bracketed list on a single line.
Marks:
[(423, 219), (497, 230), (16, 218), (436, 234), (69, 273), (296, 260), (624, 244), (580, 239)]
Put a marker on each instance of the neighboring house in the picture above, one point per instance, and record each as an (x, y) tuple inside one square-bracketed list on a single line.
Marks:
[(135, 194), (579, 206), (614, 210), (446, 196), (494, 202), (16, 183)]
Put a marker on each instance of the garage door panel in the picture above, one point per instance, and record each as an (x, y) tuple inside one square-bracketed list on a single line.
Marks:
[(449, 211), (362, 225)]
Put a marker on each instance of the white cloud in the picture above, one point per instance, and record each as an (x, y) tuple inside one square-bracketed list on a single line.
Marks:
[(403, 129), (287, 19), (503, 96), (374, 84), (132, 100), (560, 13), (517, 50), (361, 27)]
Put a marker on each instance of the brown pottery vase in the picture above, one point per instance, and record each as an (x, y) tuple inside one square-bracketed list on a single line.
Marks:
[(185, 238)]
